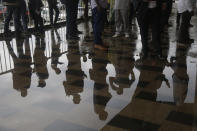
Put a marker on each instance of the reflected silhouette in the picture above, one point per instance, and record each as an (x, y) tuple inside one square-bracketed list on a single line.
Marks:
[(151, 77), (180, 76), (56, 53), (40, 61), (22, 71), (98, 74), (123, 64), (74, 75)]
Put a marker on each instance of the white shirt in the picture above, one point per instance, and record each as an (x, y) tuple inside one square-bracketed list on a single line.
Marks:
[(103, 3), (122, 4), (185, 5)]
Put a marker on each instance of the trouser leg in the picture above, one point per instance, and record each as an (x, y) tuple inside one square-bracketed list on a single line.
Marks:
[(118, 21), (155, 24), (51, 14), (17, 19), (98, 25), (184, 28), (8, 18), (56, 14), (143, 21)]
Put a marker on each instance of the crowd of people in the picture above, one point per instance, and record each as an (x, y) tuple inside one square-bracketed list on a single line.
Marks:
[(152, 14)]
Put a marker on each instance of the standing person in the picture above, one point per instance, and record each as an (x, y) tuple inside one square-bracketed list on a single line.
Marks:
[(35, 11), (12, 9), (71, 19), (53, 6), (185, 8), (148, 15), (121, 8), (98, 11)]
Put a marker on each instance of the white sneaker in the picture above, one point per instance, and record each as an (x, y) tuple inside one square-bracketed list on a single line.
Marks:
[(116, 35), (127, 36)]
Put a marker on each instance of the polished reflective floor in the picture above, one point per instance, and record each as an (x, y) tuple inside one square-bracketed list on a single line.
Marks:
[(50, 84)]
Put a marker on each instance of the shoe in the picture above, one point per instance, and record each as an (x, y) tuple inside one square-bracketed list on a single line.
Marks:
[(74, 37), (116, 35), (100, 47), (127, 35)]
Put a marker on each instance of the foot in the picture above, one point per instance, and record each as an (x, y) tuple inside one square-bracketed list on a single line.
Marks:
[(116, 35), (100, 47)]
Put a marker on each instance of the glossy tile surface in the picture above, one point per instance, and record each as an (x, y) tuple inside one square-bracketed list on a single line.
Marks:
[(51, 84)]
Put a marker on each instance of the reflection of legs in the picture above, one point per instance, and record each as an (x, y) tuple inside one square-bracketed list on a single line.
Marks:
[(125, 18), (118, 21)]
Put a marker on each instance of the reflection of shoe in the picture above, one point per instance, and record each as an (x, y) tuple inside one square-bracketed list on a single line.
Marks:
[(100, 47), (116, 35)]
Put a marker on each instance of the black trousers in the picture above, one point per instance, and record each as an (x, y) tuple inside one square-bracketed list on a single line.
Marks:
[(12, 10), (23, 16), (71, 17), (184, 27), (38, 21), (51, 9), (149, 18)]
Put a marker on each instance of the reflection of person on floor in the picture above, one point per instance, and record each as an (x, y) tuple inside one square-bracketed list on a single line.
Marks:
[(151, 76), (98, 74), (56, 53), (40, 61), (22, 71), (123, 65), (74, 75), (180, 76)]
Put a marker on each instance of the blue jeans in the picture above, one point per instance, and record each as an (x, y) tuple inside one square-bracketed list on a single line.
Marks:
[(98, 24)]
